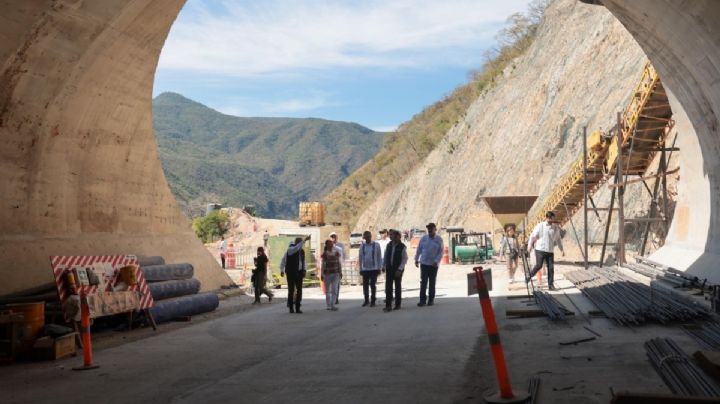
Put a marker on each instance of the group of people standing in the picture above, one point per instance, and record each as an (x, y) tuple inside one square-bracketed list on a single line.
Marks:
[(387, 255)]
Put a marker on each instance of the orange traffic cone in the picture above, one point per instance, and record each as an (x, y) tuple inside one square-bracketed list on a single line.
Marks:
[(445, 257), (85, 334), (506, 395)]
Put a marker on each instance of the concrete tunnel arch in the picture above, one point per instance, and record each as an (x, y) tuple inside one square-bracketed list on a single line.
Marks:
[(80, 167)]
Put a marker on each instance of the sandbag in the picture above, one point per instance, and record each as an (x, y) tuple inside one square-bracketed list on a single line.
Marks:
[(166, 310), (170, 289), (168, 272), (144, 261)]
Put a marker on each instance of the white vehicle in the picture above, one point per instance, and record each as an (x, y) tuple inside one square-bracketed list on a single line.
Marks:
[(355, 239)]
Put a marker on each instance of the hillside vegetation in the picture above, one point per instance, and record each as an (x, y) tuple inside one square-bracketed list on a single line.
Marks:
[(272, 163), (406, 148)]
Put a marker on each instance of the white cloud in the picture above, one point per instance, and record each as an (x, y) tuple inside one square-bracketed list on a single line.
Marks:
[(242, 106), (392, 128), (246, 38)]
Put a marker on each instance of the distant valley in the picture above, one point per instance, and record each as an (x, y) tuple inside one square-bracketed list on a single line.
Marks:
[(271, 163)]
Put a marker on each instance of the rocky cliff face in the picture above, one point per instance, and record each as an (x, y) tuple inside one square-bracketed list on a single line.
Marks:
[(521, 135)]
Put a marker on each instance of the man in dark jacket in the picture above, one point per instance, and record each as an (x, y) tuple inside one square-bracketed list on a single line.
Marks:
[(394, 264), (293, 263)]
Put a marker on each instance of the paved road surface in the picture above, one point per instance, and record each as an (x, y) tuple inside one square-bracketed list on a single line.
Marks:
[(265, 355)]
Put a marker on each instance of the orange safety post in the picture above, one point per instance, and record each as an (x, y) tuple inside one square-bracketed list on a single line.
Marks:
[(506, 394), (85, 334), (445, 257)]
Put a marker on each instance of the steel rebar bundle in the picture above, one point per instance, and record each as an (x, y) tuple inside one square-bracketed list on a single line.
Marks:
[(550, 306), (629, 302), (707, 335), (675, 367)]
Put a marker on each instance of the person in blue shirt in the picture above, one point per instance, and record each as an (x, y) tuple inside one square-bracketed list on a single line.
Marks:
[(428, 256)]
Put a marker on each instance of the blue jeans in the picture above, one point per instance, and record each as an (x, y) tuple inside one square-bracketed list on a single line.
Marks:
[(428, 274)]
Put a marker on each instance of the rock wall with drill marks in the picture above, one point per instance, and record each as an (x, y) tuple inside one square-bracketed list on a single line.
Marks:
[(81, 174)]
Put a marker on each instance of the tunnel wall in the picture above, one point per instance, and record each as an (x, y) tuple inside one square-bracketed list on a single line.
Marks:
[(682, 39), (80, 169), (79, 163)]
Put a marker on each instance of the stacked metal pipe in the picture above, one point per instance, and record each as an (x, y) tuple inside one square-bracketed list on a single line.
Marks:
[(678, 371), (550, 306), (629, 302), (707, 335)]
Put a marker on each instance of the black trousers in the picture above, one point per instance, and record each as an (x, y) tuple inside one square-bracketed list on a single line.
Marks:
[(222, 260), (369, 284), (428, 275), (390, 281), (295, 283), (544, 257)]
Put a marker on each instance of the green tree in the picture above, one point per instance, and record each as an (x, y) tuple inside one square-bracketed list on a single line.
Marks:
[(209, 227)]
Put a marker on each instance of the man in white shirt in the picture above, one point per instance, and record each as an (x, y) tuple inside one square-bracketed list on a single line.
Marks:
[(394, 265), (222, 246), (340, 247), (429, 254), (384, 241), (370, 259), (544, 237)]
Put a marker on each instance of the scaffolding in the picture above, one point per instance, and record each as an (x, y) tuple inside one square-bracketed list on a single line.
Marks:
[(627, 150)]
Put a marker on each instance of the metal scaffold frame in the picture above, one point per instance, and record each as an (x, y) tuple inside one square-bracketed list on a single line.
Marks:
[(628, 150)]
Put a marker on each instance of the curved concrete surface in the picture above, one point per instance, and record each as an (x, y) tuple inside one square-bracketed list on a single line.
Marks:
[(682, 39), (80, 168)]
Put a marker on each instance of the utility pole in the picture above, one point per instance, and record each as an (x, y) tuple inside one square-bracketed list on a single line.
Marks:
[(585, 196), (620, 192)]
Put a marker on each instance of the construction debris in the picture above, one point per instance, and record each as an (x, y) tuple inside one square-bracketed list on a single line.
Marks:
[(630, 302), (533, 389), (675, 367), (578, 341)]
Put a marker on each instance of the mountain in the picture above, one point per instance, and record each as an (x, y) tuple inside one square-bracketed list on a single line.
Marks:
[(521, 135), (272, 163)]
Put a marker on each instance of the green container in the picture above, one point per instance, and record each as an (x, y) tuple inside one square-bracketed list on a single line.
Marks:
[(467, 254), (277, 246)]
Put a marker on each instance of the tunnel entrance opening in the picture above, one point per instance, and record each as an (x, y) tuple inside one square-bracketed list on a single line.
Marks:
[(81, 172)]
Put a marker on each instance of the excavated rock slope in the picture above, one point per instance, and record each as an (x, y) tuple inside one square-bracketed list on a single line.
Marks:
[(521, 135)]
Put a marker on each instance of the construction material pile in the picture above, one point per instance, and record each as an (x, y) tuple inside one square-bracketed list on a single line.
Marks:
[(629, 302), (707, 335), (174, 290), (678, 371), (550, 306)]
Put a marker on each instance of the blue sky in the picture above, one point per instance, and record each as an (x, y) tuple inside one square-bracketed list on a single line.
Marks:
[(376, 63)]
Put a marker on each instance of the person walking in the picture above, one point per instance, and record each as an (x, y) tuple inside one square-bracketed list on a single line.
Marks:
[(429, 254), (510, 249), (544, 237), (340, 247), (260, 276), (293, 262), (331, 273), (370, 257), (266, 237), (393, 266), (222, 246)]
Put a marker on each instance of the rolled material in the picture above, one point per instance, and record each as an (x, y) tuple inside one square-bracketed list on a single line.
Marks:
[(170, 289), (169, 272), (166, 310), (150, 260)]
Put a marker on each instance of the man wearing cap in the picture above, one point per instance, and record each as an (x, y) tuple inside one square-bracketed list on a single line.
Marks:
[(544, 237), (339, 247), (293, 262), (428, 255)]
